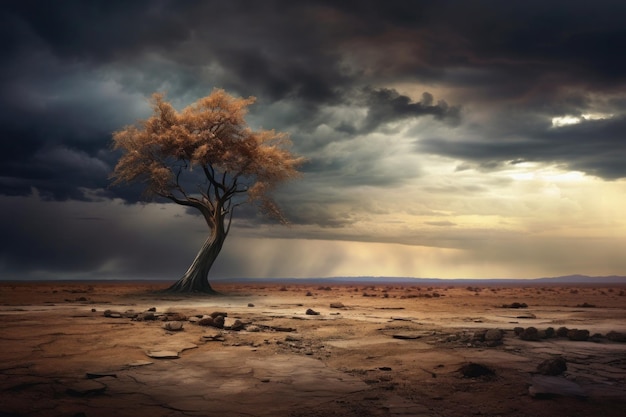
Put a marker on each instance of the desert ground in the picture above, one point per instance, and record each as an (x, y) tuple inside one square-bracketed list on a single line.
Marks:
[(303, 350)]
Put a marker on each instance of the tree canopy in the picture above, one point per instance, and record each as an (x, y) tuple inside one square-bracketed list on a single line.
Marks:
[(206, 157)]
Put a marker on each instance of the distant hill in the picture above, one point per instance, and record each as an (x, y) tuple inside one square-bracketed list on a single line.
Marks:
[(567, 279)]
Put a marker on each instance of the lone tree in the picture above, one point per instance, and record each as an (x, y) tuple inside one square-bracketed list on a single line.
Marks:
[(205, 157)]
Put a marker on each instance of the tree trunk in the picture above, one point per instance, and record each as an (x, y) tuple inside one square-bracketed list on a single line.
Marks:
[(195, 279)]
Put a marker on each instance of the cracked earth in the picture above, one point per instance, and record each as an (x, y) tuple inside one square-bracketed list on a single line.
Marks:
[(79, 349)]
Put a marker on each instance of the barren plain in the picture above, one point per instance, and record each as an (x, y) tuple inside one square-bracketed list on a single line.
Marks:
[(302, 350)]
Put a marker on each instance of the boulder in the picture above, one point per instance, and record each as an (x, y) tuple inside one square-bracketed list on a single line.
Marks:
[(311, 312), (218, 313)]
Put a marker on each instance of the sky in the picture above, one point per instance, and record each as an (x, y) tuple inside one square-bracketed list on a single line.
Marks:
[(450, 139)]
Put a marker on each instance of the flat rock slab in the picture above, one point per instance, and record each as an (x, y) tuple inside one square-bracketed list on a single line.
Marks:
[(547, 386), (233, 382), (163, 354)]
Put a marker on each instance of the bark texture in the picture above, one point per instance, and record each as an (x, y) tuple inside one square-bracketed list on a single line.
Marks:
[(195, 280)]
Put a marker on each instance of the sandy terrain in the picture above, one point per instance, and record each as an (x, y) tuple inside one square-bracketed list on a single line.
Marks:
[(383, 350)]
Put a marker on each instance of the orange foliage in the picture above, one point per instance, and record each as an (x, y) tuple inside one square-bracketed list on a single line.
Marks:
[(207, 144)]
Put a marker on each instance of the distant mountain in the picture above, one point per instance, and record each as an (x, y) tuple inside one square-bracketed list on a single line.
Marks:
[(568, 279), (584, 279)]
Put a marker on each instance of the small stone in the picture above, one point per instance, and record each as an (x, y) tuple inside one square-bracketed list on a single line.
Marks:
[(250, 305), (207, 321), (173, 326), (530, 333), (308, 294), (218, 321), (493, 335), (252, 328), (553, 366), (578, 335), (115, 315), (311, 312), (153, 309), (337, 305), (213, 338), (406, 336), (93, 310), (218, 313), (139, 363), (146, 315), (562, 332), (237, 326)]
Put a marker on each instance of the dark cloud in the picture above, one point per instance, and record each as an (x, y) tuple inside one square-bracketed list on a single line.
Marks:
[(387, 105), (478, 81), (591, 146)]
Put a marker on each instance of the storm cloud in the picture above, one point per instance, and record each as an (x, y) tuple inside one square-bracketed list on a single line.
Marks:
[(394, 97)]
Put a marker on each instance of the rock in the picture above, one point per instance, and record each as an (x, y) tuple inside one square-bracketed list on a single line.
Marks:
[(493, 335), (526, 316), (518, 331), (614, 336), (153, 309), (250, 305), (93, 310), (291, 338), (553, 366), (578, 335), (308, 294), (173, 326), (174, 317), (130, 314), (252, 328), (530, 333), (550, 332), (336, 305), (96, 375), (218, 313), (237, 326), (112, 314), (549, 386), (213, 338), (139, 363), (311, 312), (163, 354), (146, 315), (475, 370), (406, 336), (206, 321), (218, 321), (194, 319), (562, 332), (515, 305)]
